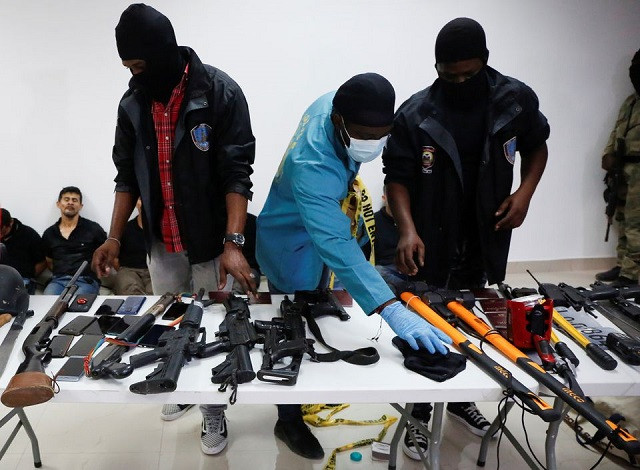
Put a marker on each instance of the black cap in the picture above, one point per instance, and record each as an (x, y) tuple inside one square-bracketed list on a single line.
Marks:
[(144, 33), (636, 57), (368, 99), (461, 39)]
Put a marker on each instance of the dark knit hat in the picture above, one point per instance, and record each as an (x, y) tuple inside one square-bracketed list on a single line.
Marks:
[(461, 39), (367, 99), (636, 57), (143, 32)]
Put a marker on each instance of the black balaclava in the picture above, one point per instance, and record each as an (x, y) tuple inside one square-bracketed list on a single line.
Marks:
[(463, 39), (145, 33), (634, 72), (367, 99)]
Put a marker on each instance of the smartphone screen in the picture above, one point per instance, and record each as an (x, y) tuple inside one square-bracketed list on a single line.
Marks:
[(175, 310), (109, 307), (71, 371), (106, 323), (121, 325), (84, 345), (151, 337), (131, 305), (77, 325), (59, 345)]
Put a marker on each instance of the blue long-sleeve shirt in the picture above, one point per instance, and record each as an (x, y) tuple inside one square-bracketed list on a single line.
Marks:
[(302, 227)]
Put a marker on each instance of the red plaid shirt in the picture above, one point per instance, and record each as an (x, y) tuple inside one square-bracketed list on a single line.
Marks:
[(164, 121)]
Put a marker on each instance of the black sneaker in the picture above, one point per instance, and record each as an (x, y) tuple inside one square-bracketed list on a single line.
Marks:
[(624, 282), (469, 415), (171, 411), (214, 435), (298, 438), (408, 444), (609, 276)]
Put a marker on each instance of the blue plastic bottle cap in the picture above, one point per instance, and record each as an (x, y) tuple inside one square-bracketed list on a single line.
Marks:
[(356, 456)]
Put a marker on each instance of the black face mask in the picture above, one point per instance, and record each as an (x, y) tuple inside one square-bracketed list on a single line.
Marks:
[(467, 93), (634, 75), (160, 77)]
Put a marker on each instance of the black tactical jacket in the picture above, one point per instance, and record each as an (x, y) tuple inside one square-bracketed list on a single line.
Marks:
[(214, 149), (422, 155)]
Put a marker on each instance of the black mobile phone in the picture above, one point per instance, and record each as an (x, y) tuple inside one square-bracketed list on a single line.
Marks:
[(151, 337), (121, 325), (175, 310), (77, 325), (82, 303), (59, 345), (84, 345), (106, 322), (131, 305), (109, 307), (71, 371)]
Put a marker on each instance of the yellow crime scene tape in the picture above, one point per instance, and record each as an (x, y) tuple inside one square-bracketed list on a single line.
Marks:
[(311, 417), (358, 204)]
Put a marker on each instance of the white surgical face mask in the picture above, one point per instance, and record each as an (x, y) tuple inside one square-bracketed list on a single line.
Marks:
[(363, 151)]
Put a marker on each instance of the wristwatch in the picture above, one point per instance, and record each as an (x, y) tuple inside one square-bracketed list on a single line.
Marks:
[(236, 238)]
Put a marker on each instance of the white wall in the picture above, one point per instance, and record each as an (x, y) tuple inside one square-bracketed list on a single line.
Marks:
[(61, 80)]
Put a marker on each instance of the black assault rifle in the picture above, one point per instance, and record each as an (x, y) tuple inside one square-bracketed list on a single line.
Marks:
[(30, 385), (322, 302), (284, 337), (613, 180), (237, 337), (175, 348)]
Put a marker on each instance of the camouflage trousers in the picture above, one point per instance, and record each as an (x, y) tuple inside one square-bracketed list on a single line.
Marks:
[(628, 218)]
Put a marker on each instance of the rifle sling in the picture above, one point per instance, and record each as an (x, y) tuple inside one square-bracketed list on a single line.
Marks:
[(360, 357)]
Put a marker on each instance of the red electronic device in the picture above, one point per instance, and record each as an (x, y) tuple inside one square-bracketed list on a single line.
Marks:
[(528, 320)]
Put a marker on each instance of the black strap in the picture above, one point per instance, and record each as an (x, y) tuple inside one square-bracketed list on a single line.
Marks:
[(360, 357)]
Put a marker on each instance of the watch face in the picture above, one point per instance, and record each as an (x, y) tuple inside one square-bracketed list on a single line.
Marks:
[(236, 238)]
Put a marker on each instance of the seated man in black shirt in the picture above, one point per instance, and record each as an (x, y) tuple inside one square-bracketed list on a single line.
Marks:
[(69, 242), (133, 274), (24, 249)]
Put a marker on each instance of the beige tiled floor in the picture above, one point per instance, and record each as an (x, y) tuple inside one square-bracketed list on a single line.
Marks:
[(102, 436)]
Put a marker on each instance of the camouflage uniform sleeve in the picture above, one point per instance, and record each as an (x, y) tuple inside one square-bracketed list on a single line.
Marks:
[(619, 128)]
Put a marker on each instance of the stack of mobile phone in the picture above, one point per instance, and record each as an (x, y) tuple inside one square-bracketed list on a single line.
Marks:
[(113, 317)]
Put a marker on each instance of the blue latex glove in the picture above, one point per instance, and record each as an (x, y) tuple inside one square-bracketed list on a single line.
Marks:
[(411, 328)]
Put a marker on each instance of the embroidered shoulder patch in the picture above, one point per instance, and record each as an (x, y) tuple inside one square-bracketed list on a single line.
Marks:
[(428, 158), (200, 136), (510, 150)]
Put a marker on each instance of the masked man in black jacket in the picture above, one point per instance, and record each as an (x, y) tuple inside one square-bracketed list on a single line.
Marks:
[(184, 145), (449, 170)]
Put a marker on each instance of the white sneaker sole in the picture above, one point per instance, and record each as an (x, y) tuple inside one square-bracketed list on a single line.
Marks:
[(476, 431), (214, 450), (412, 454), (174, 416)]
